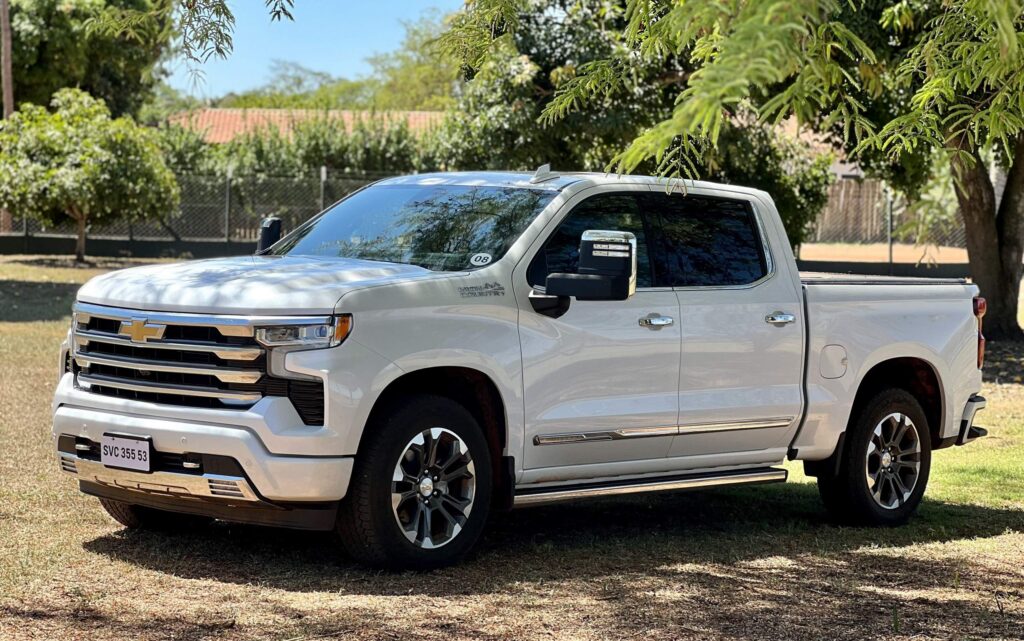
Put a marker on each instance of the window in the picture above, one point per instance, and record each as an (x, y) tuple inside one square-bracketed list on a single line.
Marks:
[(439, 227), (708, 241), (561, 252)]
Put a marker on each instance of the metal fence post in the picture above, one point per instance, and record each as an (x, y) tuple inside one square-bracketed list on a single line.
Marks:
[(227, 207), (888, 218), (323, 184)]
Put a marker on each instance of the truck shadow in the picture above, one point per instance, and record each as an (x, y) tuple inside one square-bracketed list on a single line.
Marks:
[(23, 301), (779, 532)]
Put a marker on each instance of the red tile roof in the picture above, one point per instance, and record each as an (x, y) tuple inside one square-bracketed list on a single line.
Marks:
[(223, 125)]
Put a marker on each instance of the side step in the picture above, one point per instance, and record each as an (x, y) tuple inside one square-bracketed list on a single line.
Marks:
[(540, 496)]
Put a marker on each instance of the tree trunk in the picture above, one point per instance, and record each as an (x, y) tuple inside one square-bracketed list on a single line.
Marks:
[(80, 241), (6, 64), (995, 239)]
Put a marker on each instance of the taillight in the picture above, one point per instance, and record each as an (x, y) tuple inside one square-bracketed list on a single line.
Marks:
[(980, 307)]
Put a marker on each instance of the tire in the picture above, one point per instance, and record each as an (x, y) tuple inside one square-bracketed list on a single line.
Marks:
[(137, 517), (423, 528), (871, 488)]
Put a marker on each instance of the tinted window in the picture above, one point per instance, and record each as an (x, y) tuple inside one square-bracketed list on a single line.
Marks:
[(708, 241), (440, 227), (561, 252)]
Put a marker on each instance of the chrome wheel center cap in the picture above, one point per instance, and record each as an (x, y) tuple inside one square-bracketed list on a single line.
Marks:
[(886, 459), (426, 486)]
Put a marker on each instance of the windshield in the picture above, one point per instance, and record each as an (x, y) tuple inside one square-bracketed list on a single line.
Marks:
[(440, 227)]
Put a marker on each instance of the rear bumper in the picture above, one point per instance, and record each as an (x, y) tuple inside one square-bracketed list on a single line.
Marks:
[(968, 430), (262, 477)]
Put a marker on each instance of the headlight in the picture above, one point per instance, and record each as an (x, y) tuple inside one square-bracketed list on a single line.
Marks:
[(306, 336)]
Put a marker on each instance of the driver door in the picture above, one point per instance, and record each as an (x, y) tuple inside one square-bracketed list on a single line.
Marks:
[(600, 381)]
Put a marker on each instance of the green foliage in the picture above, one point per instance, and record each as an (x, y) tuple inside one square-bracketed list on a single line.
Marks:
[(494, 122), (802, 58), (205, 28), (77, 162), (53, 47), (373, 144), (756, 156), (293, 86)]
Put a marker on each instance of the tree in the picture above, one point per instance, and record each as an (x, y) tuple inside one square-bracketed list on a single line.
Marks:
[(55, 46), (79, 163), (961, 67), (6, 66), (494, 122)]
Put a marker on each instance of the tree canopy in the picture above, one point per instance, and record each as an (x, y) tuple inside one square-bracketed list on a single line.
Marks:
[(902, 83), (76, 161), (54, 46)]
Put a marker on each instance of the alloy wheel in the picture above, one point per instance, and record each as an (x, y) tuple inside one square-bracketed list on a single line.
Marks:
[(893, 461), (433, 487)]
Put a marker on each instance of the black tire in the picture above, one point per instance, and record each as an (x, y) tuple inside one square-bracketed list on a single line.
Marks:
[(849, 495), (368, 524), (137, 517)]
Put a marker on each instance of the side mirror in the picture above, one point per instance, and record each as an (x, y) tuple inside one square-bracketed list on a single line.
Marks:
[(607, 269), (270, 233)]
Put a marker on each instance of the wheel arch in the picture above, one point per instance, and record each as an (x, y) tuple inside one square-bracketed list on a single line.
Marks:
[(915, 375), (473, 389)]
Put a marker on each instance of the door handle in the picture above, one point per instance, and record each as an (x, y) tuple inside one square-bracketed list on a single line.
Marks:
[(656, 321), (779, 319)]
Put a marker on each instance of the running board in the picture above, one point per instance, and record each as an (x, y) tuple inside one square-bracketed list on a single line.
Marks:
[(541, 496)]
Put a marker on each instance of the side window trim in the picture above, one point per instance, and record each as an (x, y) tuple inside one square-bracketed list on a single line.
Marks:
[(766, 249)]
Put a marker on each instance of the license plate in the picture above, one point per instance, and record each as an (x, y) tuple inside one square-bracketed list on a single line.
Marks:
[(125, 452)]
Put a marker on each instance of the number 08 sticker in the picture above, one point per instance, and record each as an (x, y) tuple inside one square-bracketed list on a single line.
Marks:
[(479, 260)]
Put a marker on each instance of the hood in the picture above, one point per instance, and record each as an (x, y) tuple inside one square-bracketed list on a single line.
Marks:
[(253, 285)]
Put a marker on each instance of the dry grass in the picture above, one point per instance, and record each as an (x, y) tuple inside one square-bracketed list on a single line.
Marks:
[(755, 563)]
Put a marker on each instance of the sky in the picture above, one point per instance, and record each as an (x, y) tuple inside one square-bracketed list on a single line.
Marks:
[(334, 36)]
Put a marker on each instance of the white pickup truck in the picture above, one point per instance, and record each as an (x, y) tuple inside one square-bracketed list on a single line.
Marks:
[(435, 347)]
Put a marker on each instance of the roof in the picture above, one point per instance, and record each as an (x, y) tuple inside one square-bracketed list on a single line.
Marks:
[(558, 181), (223, 125)]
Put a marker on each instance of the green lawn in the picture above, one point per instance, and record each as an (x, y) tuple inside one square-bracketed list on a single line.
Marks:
[(753, 563)]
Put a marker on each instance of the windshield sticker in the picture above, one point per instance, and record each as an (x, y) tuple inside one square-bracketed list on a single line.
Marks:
[(480, 291), (479, 260)]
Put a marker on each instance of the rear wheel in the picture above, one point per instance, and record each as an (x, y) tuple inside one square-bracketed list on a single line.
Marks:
[(137, 517), (421, 490), (884, 465)]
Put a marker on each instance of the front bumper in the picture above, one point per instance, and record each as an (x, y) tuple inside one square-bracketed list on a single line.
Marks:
[(263, 477)]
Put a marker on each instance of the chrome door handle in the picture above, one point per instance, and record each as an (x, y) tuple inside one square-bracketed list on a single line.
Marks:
[(779, 319), (656, 321)]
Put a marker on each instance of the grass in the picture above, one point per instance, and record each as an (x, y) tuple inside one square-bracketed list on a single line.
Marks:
[(754, 563)]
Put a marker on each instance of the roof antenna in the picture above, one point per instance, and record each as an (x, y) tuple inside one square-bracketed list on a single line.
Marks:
[(543, 174)]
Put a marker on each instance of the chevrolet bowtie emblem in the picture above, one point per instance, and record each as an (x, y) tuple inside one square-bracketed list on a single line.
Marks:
[(140, 331)]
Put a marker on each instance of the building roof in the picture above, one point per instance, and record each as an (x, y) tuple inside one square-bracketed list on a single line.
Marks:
[(223, 125)]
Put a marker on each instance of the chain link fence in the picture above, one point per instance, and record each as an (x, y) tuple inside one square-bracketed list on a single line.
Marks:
[(216, 208), (861, 222), (865, 212)]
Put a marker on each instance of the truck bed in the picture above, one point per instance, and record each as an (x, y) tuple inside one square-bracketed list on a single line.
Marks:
[(825, 278)]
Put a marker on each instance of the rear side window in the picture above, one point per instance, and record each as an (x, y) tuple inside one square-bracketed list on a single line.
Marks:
[(561, 252), (708, 242)]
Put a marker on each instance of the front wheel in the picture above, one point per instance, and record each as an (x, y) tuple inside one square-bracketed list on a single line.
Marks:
[(421, 489), (884, 465)]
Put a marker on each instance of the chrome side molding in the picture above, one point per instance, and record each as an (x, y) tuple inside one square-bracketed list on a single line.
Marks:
[(668, 430), (615, 488)]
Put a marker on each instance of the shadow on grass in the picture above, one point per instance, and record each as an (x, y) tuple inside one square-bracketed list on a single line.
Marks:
[(584, 540), (741, 563), (29, 301)]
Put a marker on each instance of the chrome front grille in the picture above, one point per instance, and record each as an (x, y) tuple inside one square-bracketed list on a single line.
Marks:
[(184, 359), (176, 357)]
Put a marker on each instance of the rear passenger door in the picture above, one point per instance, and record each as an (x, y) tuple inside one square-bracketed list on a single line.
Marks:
[(741, 321)]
